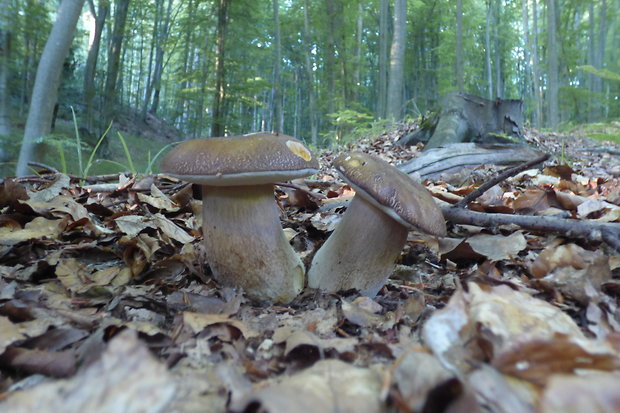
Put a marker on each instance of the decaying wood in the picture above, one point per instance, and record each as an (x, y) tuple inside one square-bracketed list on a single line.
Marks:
[(499, 178), (454, 157), (469, 118), (592, 231)]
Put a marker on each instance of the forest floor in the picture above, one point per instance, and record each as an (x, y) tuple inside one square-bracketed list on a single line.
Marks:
[(106, 306)]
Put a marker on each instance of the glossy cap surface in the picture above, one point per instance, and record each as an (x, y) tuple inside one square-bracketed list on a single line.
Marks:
[(392, 191), (254, 159)]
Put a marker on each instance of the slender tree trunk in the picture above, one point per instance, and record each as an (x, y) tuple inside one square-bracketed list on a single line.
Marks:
[(535, 68), (591, 61), (218, 126), (312, 114), (162, 37), (397, 61), (149, 73), (487, 45), (277, 124), (598, 61), (5, 55), (497, 40), (91, 60), (121, 8), (181, 110), (459, 45), (47, 80), (552, 63), (526, 53), (383, 58), (358, 52)]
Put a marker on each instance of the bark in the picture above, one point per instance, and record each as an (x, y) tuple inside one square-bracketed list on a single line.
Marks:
[(314, 124), (218, 123), (277, 123), (598, 62), (552, 63), (163, 32), (383, 58), (91, 61), (121, 8), (455, 157), (498, 57), (5, 55), (592, 231), (468, 118), (526, 53), (358, 51), (535, 69), (47, 80), (397, 61), (487, 45), (459, 45)]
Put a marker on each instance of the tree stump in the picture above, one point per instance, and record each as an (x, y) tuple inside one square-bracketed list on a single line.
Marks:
[(469, 118)]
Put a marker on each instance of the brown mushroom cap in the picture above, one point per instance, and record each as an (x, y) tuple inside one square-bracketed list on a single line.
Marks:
[(253, 159), (394, 192)]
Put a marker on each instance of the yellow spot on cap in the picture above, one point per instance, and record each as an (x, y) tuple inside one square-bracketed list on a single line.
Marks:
[(299, 150), (353, 163)]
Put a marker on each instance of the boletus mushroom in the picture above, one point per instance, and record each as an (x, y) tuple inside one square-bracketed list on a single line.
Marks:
[(361, 252), (245, 244)]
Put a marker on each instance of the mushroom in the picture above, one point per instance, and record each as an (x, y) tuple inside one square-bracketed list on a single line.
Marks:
[(245, 244), (362, 251)]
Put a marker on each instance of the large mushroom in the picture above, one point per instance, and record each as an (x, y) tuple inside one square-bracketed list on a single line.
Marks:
[(362, 251), (245, 244)]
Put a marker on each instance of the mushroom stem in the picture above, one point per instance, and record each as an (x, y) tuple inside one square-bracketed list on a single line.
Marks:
[(360, 253), (245, 244)]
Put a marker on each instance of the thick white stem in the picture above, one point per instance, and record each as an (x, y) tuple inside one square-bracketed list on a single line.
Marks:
[(245, 244), (360, 253)]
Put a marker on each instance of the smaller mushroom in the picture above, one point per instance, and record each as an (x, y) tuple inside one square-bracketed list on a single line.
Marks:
[(362, 251), (245, 244)]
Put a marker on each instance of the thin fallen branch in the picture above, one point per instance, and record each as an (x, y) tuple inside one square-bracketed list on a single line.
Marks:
[(44, 166), (592, 231), (499, 178), (304, 190)]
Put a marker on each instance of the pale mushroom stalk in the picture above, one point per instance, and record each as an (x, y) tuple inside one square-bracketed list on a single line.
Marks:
[(362, 251), (245, 244), (366, 241)]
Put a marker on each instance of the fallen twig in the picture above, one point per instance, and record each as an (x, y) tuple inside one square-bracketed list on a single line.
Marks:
[(592, 231), (499, 178)]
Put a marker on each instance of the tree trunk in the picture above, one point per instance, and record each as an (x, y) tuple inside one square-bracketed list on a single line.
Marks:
[(91, 61), (397, 61), (163, 33), (535, 69), (277, 123), (121, 8), (459, 45), (218, 127), (5, 55), (314, 124), (358, 52), (383, 58), (497, 40), (47, 80), (598, 61), (552, 63), (487, 45), (469, 118)]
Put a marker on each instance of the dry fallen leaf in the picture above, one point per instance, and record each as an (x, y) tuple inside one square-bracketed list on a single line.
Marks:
[(127, 378), (590, 392), (327, 386)]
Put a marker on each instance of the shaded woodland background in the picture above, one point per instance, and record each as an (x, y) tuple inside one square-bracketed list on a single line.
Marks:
[(322, 70)]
